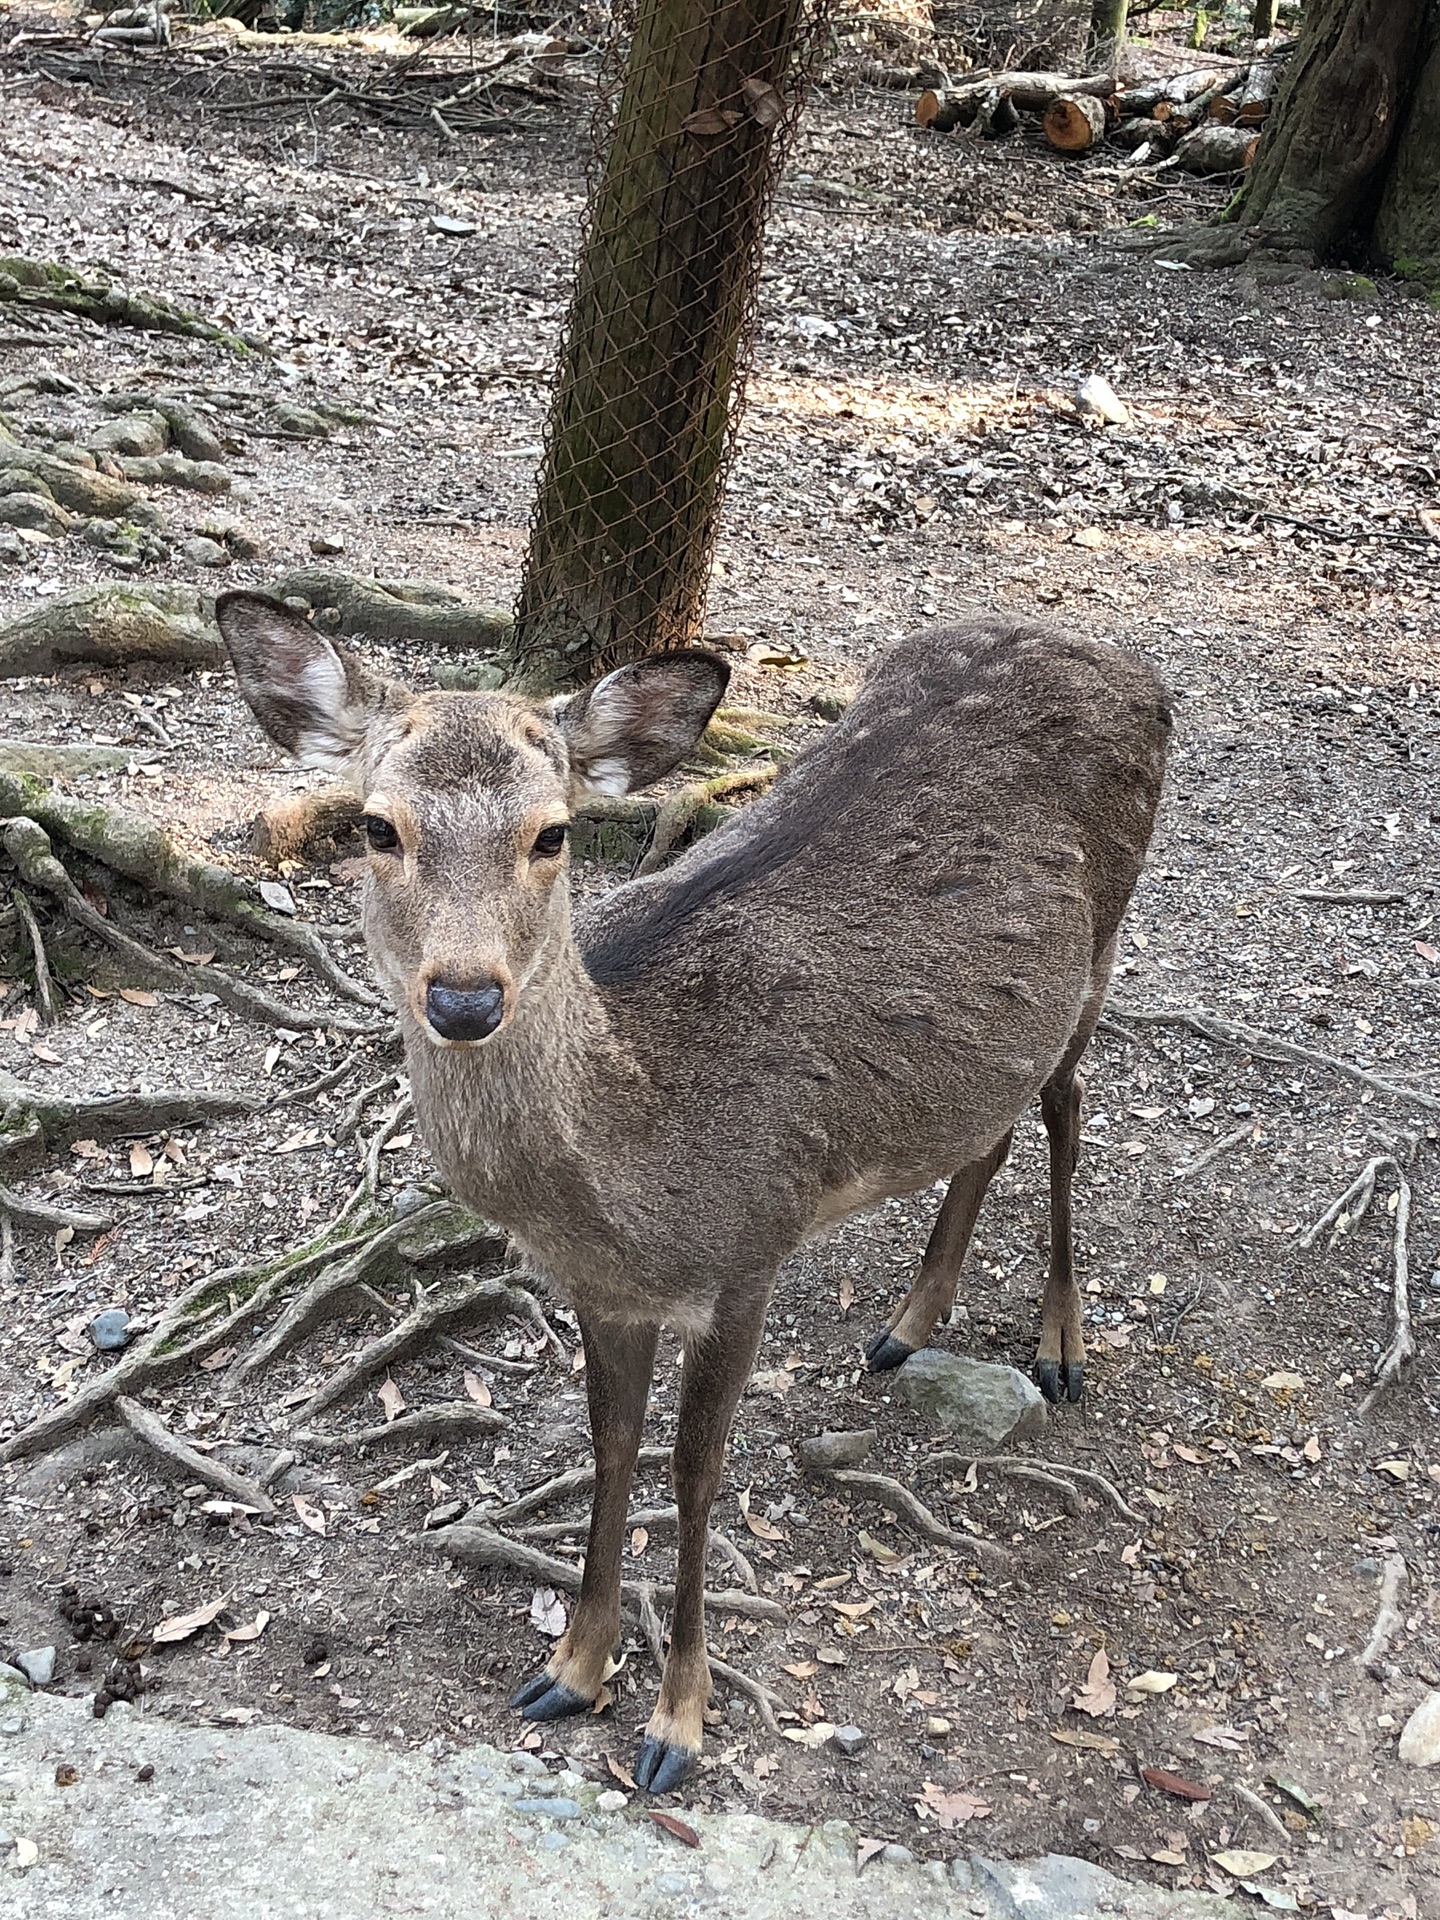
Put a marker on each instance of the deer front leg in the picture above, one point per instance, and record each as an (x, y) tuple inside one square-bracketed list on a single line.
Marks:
[(717, 1365), (619, 1360)]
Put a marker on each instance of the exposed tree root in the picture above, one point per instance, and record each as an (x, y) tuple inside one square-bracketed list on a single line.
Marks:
[(44, 1213), (649, 1518), (46, 286), (44, 985), (108, 626), (573, 1480), (394, 609), (699, 809), (193, 1464), (765, 1698), (485, 1546), (448, 1420), (1388, 1620), (1057, 1475), (29, 847), (131, 845), (912, 1512)]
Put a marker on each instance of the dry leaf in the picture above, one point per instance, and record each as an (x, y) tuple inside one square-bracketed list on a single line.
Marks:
[(278, 898), (711, 120), (310, 1515), (253, 1632), (767, 109), (1283, 1382), (852, 1609), (139, 998), (1396, 1469), (1092, 1742), (847, 1300), (639, 1540), (213, 1362), (877, 1549), (673, 1824), (1151, 1682), (802, 1669), (621, 1772), (194, 959), (142, 1163), (815, 1736), (951, 1809), (392, 1400), (762, 1528), (547, 1612), (1097, 1696), (477, 1389), (1189, 1453), (41, 1051), (180, 1626), (866, 1850), (765, 1764), (1242, 1862), (1228, 1739), (1175, 1783)]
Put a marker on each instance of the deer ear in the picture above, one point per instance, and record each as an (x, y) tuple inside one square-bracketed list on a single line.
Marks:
[(311, 697), (640, 721)]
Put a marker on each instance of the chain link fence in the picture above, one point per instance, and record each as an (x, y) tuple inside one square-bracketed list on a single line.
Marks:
[(696, 114)]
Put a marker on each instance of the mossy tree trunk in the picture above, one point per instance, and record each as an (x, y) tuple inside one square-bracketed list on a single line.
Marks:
[(1108, 22), (640, 425), (1350, 157)]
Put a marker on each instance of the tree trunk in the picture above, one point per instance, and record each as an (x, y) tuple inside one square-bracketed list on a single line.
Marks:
[(1262, 21), (1350, 154), (1108, 19), (640, 424)]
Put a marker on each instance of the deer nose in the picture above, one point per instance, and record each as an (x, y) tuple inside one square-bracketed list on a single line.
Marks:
[(465, 1013)]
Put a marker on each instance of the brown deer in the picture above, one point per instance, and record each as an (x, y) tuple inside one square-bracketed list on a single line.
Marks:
[(853, 988)]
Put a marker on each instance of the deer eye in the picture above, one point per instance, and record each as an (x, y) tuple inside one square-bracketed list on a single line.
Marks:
[(549, 842), (379, 834)]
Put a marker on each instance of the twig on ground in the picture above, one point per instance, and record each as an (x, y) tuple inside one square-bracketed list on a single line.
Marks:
[(349, 1124), (390, 1124), (1002, 1463), (1401, 1350), (44, 985), (1214, 1151), (497, 1363), (1267, 1814), (1231, 1033), (7, 1249), (649, 1619), (912, 1511), (536, 1314), (573, 1480), (1388, 1620), (450, 1420), (1361, 1190), (191, 1463), (1346, 897), (484, 1546)]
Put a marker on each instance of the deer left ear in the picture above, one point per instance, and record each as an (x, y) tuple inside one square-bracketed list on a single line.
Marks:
[(632, 727)]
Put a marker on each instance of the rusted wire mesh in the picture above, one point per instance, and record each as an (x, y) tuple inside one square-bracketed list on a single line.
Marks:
[(691, 132)]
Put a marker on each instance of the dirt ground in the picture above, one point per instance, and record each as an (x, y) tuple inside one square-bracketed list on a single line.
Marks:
[(929, 305)]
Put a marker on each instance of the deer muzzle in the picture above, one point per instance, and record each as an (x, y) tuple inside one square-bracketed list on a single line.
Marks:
[(465, 1013)]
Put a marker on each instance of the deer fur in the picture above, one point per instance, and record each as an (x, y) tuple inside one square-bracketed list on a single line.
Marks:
[(850, 991)]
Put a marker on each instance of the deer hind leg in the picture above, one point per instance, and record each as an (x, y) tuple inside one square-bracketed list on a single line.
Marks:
[(717, 1365), (933, 1294), (1060, 1362), (619, 1360)]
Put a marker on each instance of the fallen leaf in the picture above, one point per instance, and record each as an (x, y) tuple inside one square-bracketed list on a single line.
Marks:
[(26, 1853), (1311, 1449), (1283, 1382), (813, 1736), (193, 959), (711, 120), (877, 1549), (621, 1772), (310, 1516), (547, 1612), (213, 1362), (1097, 1696), (1427, 952), (253, 1632), (1397, 1469), (672, 1823), (279, 899), (1151, 1682), (1167, 1857), (1092, 1742), (1174, 1783), (847, 1300), (767, 109), (639, 1540), (240, 1716), (853, 1609), (142, 1162), (477, 1389), (1243, 1861), (180, 1626), (392, 1400), (1189, 1453), (866, 1850), (802, 1669), (139, 998), (952, 1809), (765, 1764), (762, 1528), (1228, 1739), (41, 1051)]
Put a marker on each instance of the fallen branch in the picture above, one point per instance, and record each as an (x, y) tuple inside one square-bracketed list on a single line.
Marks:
[(484, 1546), (1388, 1621), (193, 1464), (1231, 1033), (1213, 1152)]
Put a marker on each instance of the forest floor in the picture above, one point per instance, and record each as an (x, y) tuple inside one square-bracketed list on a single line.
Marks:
[(910, 451)]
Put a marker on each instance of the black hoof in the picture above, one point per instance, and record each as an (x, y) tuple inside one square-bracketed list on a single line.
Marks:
[(661, 1768), (884, 1353), (545, 1699), (1059, 1385)]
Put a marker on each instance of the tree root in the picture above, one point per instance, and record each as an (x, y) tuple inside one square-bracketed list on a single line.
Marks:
[(765, 1698), (484, 1546), (29, 847), (109, 626), (698, 809), (912, 1512), (1388, 1620), (394, 609), (44, 985), (650, 1518), (46, 286), (43, 1213), (193, 1464), (1231, 1033), (448, 1420), (131, 845), (84, 489), (1057, 1475), (573, 1480)]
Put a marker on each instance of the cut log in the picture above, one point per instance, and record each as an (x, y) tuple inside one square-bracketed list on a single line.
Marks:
[(942, 112), (1031, 92), (1074, 122), (1137, 133), (1213, 148), (1223, 108), (1253, 100)]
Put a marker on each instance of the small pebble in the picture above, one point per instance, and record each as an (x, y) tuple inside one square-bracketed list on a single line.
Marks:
[(612, 1800), (147, 1772), (552, 1806), (38, 1665), (894, 1855), (528, 1763), (826, 704), (108, 1329), (11, 1727), (201, 552), (671, 1883), (325, 545), (849, 1739), (554, 1842), (937, 1728)]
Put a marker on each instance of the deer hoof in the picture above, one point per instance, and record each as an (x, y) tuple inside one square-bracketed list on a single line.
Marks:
[(884, 1353), (660, 1766), (1061, 1383), (545, 1699)]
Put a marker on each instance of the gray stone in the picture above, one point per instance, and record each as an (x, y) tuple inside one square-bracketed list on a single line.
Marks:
[(37, 1665), (827, 704), (552, 1806), (823, 1452), (850, 1739), (469, 674), (612, 1801), (894, 1855), (671, 1884), (200, 552), (134, 435), (528, 1763), (11, 1727), (410, 1200), (1420, 1736), (108, 1329), (984, 1406), (1055, 1887)]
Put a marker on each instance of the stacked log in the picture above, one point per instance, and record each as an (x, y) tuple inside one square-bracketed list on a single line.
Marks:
[(1205, 119)]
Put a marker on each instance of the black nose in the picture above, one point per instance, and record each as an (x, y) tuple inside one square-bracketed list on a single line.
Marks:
[(465, 1013)]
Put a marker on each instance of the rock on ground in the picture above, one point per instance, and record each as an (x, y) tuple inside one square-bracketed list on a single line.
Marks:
[(272, 1823), (986, 1407)]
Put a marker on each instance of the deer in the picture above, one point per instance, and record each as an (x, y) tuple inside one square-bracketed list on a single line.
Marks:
[(851, 990)]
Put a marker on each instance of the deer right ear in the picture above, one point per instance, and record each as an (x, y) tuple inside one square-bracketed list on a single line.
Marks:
[(311, 697)]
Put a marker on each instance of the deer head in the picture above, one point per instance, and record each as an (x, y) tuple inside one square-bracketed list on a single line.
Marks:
[(467, 800)]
